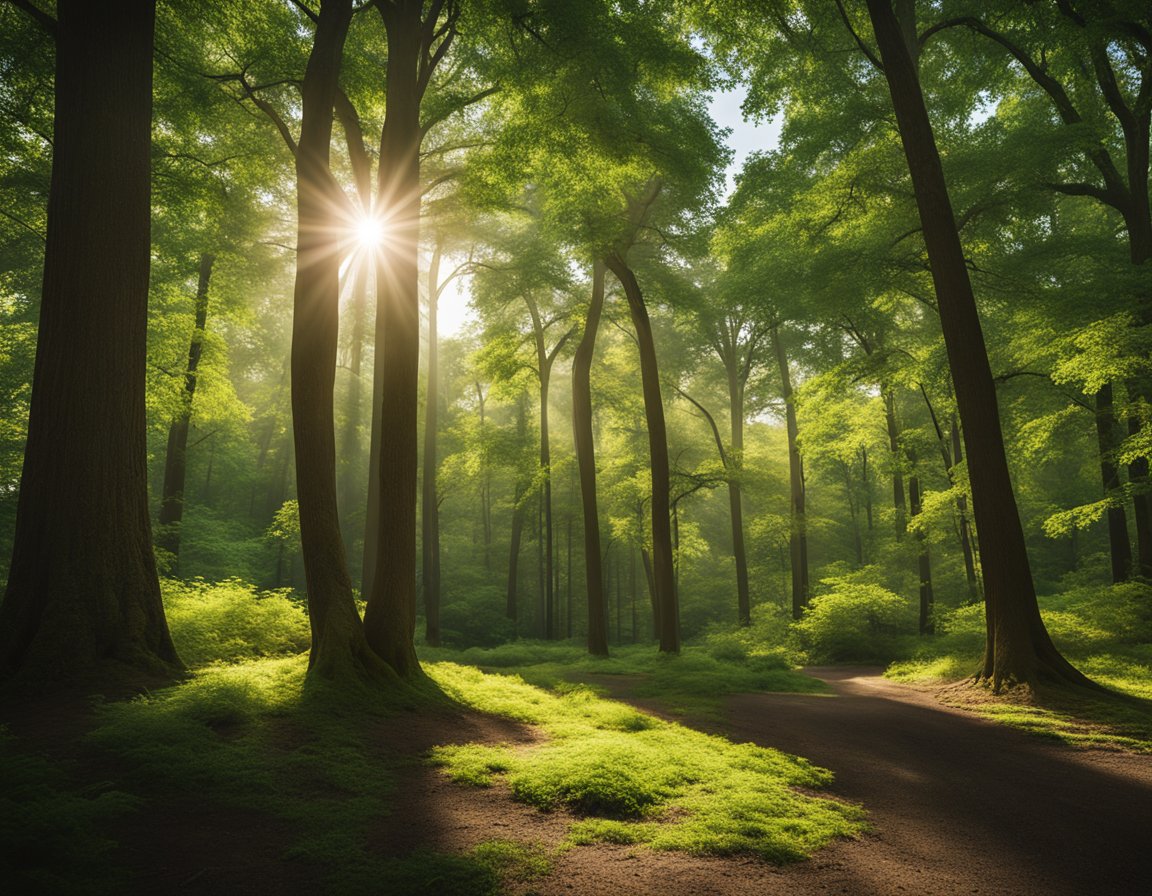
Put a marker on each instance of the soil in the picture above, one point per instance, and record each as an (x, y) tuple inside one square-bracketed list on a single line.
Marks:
[(957, 805)]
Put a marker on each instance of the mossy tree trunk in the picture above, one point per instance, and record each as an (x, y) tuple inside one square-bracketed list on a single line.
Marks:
[(82, 592)]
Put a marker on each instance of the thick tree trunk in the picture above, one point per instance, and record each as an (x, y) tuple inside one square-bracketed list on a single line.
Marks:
[(390, 617), (798, 537), (1019, 648), (664, 586), (176, 457), (430, 506), (82, 590), (351, 460), (923, 562), (339, 647), (586, 462), (1119, 547)]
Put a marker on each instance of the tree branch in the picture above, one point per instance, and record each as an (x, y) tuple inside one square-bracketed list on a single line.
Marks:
[(46, 22)]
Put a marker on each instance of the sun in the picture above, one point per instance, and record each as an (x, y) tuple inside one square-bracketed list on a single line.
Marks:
[(368, 232)]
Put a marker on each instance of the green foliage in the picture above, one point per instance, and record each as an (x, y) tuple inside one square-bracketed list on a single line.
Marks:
[(231, 621), (855, 621), (655, 782)]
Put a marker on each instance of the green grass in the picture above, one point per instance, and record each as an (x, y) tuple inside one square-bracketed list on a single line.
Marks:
[(639, 779), (693, 683)]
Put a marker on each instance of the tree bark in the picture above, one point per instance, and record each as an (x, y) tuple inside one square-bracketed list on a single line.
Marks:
[(512, 605), (390, 616), (586, 462), (339, 648), (897, 470), (798, 537), (668, 619), (544, 372), (430, 506), (736, 495), (1119, 547), (923, 562), (1018, 648), (82, 590), (176, 456)]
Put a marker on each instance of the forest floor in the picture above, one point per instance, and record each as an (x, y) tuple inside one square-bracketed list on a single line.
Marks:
[(956, 804)]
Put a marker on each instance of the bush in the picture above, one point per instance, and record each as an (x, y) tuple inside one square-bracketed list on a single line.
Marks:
[(231, 621), (855, 622)]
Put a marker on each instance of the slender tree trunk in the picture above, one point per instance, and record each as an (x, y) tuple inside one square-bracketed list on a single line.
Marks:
[(1018, 648), (390, 615), (430, 514), (512, 606), (338, 644), (82, 590), (1120, 549), (669, 616), (923, 562), (897, 470), (586, 462), (176, 457), (485, 484), (798, 539), (736, 497)]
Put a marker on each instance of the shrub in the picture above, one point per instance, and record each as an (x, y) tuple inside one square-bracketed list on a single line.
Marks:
[(855, 621), (231, 621)]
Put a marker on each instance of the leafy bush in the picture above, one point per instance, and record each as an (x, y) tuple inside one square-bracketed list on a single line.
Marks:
[(231, 621), (855, 621)]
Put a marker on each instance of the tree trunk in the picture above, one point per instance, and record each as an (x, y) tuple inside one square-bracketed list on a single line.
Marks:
[(351, 460), (1119, 548), (512, 606), (390, 616), (82, 590), (430, 509), (664, 587), (1141, 501), (544, 369), (586, 462), (923, 562), (339, 647), (176, 457), (1018, 648), (798, 538), (897, 471), (736, 497)]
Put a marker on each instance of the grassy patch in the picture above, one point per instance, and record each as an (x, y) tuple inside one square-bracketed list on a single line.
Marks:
[(639, 779), (694, 682)]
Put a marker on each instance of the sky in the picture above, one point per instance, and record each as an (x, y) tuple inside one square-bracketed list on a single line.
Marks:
[(746, 137)]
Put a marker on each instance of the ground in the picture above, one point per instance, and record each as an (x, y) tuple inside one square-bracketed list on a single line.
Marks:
[(957, 805)]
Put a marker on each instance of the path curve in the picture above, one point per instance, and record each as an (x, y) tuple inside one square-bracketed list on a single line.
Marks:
[(958, 804)]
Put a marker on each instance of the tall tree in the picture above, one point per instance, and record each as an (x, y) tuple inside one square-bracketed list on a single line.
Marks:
[(82, 589), (176, 457), (1018, 647)]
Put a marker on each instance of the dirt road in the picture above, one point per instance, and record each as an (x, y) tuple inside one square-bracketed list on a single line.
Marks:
[(958, 806)]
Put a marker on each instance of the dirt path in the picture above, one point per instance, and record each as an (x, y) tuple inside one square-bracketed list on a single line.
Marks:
[(958, 805)]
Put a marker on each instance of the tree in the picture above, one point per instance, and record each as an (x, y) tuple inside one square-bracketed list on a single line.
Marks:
[(1018, 647), (82, 589)]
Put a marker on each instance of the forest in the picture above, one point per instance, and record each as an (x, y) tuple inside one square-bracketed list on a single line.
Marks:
[(575, 446)]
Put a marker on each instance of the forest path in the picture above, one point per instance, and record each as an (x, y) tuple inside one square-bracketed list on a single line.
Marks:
[(958, 804)]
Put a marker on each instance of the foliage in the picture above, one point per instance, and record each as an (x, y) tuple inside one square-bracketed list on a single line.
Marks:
[(855, 621), (231, 621)]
